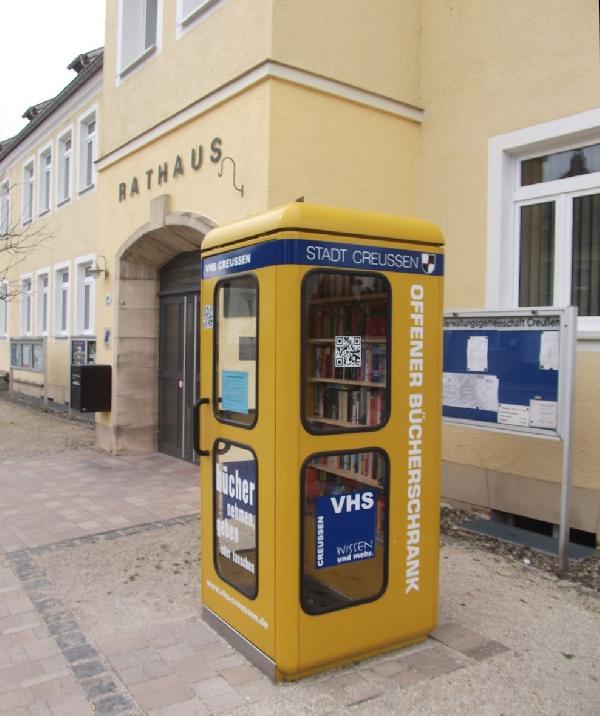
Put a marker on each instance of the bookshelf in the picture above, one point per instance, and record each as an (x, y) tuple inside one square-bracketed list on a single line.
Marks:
[(346, 352)]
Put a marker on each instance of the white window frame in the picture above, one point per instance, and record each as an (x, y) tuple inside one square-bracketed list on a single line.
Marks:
[(81, 281), (3, 309), (61, 155), (42, 291), (26, 303), (505, 196), (84, 139), (59, 287), (4, 208), (44, 174), (28, 192), (184, 23), (150, 51)]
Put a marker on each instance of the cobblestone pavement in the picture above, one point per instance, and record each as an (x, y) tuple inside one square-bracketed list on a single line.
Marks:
[(51, 665)]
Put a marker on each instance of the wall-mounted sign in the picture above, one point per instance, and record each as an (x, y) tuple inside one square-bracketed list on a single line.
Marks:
[(170, 170)]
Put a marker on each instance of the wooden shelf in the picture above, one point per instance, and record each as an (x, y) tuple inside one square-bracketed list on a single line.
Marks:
[(350, 299), (340, 423), (362, 383), (347, 474)]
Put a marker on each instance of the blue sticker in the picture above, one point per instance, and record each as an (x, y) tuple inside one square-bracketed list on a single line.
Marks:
[(345, 528), (234, 391)]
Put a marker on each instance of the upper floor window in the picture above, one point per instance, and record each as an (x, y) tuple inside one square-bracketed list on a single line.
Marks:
[(139, 31), (4, 208), (85, 297), (189, 10), (3, 309), (87, 151), (545, 220), (42, 307), (26, 306), (45, 184), (63, 174), (28, 179)]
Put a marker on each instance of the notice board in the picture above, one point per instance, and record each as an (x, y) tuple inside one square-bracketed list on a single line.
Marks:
[(502, 370)]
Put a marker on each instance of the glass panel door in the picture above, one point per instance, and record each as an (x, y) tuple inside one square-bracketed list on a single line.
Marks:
[(536, 274), (585, 266)]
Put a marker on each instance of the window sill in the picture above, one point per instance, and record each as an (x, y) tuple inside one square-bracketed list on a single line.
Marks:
[(26, 222), (43, 213), (86, 189), (62, 202), (137, 62), (61, 337)]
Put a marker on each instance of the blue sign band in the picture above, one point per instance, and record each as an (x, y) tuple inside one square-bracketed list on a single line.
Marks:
[(303, 252)]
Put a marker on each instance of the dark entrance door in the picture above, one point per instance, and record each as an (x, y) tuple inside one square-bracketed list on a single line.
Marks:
[(178, 354)]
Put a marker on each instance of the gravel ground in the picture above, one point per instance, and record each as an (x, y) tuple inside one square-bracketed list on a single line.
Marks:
[(27, 432)]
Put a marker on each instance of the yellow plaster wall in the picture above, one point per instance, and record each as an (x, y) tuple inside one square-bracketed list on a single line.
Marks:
[(336, 152), (232, 38), (373, 45), (490, 68), (61, 235)]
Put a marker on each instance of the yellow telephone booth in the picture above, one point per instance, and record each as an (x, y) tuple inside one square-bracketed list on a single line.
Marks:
[(319, 431)]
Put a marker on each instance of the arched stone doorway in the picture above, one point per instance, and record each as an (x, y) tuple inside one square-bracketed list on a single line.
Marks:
[(135, 394)]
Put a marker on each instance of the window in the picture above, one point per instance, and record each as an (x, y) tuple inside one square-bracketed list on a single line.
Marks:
[(28, 179), (87, 151), (85, 297), (42, 303), (26, 306), (235, 346), (344, 529), (235, 516), (61, 301), (139, 31), (544, 218), (45, 181), (189, 10), (63, 175), (4, 208), (3, 309), (345, 354)]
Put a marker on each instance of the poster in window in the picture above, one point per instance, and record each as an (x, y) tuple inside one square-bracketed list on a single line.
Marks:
[(15, 355), (38, 356), (27, 358), (78, 352), (91, 352)]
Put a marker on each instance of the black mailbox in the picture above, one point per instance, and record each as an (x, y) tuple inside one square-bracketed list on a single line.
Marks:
[(90, 388)]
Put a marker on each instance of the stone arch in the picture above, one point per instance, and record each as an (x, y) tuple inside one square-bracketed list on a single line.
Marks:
[(134, 415)]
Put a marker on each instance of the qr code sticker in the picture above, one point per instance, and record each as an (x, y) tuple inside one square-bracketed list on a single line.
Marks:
[(207, 316), (347, 351)]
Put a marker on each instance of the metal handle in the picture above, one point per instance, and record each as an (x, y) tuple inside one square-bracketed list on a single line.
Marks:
[(196, 426)]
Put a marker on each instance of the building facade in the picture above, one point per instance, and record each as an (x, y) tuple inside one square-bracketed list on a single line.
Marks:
[(481, 117)]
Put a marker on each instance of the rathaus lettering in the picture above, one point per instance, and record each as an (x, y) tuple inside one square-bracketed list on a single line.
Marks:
[(163, 171)]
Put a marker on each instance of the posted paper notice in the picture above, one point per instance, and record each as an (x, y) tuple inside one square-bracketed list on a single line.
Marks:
[(477, 392), (477, 353), (513, 415), (543, 414), (549, 350)]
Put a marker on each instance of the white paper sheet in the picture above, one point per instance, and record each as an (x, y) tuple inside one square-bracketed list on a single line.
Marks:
[(477, 353), (549, 352), (471, 391), (513, 414), (543, 414)]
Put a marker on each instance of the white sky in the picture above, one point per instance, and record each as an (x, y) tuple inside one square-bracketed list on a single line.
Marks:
[(39, 40)]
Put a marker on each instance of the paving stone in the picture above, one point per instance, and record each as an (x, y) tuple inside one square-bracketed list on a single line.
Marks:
[(258, 690), (236, 675), (390, 668), (450, 633), (408, 678), (41, 649), (88, 668), (78, 653), (113, 704), (98, 686), (13, 700), (184, 708), (39, 709), (432, 662), (225, 662), (224, 702), (485, 651), (211, 688), (161, 692), (193, 669), (122, 643)]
